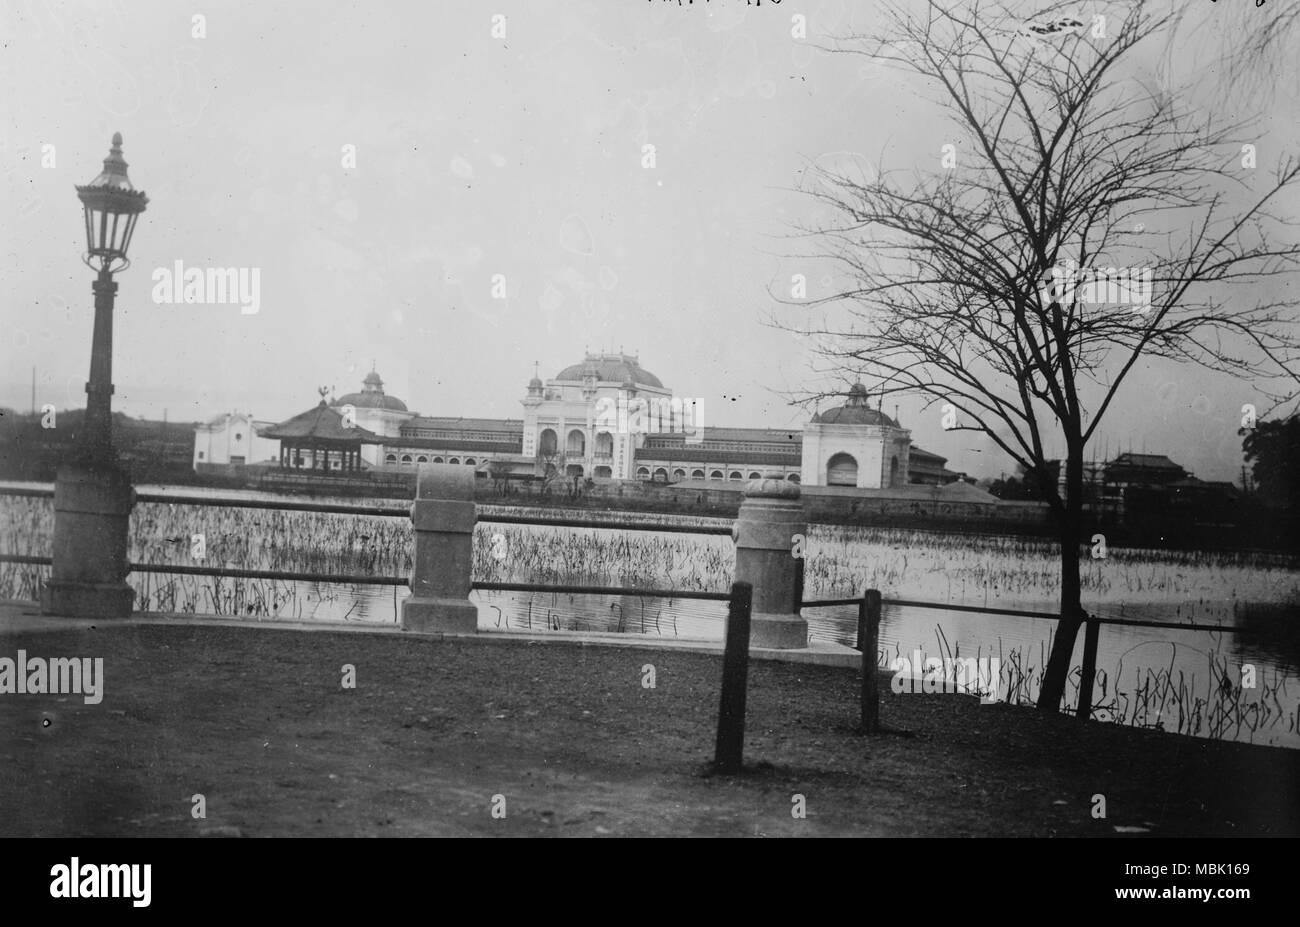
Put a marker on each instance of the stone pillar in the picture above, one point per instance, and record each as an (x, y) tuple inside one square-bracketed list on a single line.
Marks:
[(443, 516), (92, 507), (770, 516)]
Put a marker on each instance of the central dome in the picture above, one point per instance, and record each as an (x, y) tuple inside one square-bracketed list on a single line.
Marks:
[(609, 368), (855, 412), (371, 396)]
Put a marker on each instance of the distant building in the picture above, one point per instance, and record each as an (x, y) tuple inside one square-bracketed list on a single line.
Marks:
[(321, 439), (1143, 470), (577, 425), (232, 439), (856, 445)]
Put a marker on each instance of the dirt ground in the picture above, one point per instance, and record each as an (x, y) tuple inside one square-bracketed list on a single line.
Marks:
[(566, 740)]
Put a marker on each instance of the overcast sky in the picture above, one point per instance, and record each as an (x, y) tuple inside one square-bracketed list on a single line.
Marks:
[(474, 156)]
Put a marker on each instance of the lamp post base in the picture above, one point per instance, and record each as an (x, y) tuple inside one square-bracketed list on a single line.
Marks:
[(92, 508)]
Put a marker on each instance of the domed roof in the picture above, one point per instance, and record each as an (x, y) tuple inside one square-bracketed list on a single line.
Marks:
[(855, 412), (610, 368), (371, 396), (371, 401)]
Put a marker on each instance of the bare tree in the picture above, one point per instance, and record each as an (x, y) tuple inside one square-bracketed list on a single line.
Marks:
[(971, 278)]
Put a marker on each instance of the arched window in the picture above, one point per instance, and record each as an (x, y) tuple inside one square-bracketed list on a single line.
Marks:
[(437, 460), (793, 477), (391, 458), (546, 443), (642, 473), (893, 471), (679, 475), (453, 460), (406, 458), (604, 473), (697, 474), (735, 475), (604, 444), (576, 445), (715, 475), (422, 459), (469, 461), (842, 470), (661, 475), (755, 475)]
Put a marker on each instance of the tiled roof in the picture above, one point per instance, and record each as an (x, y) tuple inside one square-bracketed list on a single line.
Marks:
[(453, 445), (715, 457), (447, 423), (1154, 461), (321, 424)]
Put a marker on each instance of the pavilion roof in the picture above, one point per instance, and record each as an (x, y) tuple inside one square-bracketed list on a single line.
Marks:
[(321, 423)]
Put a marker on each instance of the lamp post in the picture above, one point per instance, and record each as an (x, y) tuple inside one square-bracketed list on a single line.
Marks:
[(92, 492)]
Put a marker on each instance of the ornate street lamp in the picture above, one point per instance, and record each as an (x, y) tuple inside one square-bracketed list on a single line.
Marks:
[(112, 206), (92, 494)]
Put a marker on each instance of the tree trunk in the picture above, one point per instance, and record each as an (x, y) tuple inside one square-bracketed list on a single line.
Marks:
[(1067, 629)]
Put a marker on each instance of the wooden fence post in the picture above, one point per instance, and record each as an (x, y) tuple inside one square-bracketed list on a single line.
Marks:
[(1089, 673), (868, 643), (735, 674)]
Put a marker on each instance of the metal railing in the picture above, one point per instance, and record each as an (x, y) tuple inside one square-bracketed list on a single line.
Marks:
[(869, 616), (869, 604), (383, 512)]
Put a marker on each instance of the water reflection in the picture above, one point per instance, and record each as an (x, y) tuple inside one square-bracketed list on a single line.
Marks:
[(1184, 668)]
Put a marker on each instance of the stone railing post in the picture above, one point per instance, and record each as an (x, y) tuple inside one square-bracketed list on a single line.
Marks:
[(92, 511), (443, 516), (771, 514)]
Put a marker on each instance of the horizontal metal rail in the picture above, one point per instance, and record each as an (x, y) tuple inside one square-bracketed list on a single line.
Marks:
[(1014, 613), (604, 590), (1048, 616), (599, 523), (164, 499), (1146, 623), (340, 508), (23, 558), (366, 579), (327, 507), (27, 493), (353, 579)]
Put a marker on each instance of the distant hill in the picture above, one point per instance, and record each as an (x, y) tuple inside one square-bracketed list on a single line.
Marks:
[(152, 451)]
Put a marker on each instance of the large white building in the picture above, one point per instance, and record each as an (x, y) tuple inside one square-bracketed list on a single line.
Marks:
[(607, 417)]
